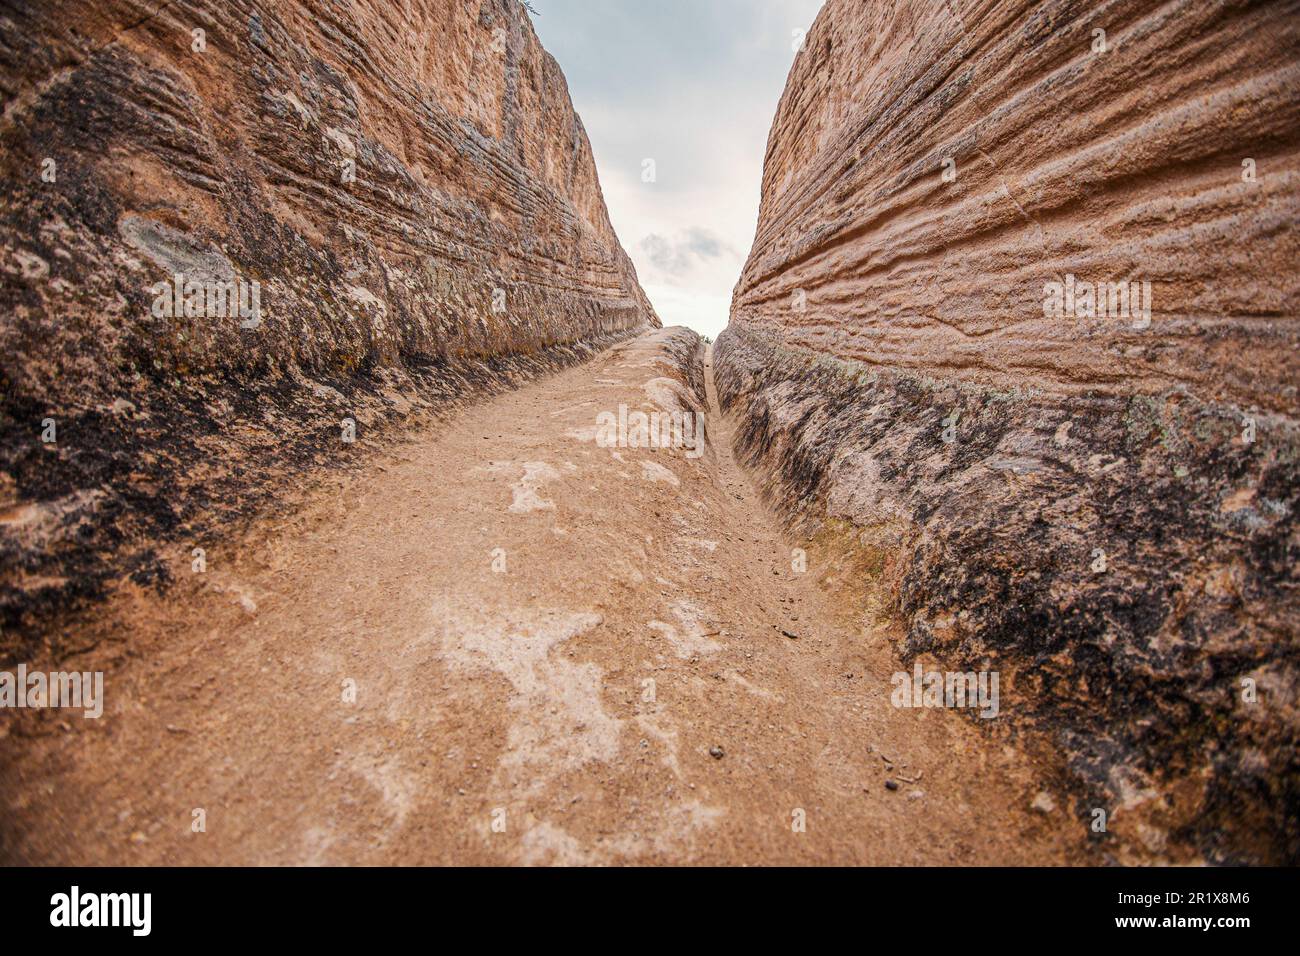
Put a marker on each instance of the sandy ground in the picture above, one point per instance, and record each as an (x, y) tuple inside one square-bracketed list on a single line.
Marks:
[(562, 710)]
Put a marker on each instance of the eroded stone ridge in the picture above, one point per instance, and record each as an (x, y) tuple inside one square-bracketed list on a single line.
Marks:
[(1019, 325), (228, 226)]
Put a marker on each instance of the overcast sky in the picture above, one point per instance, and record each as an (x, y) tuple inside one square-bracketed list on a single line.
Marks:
[(692, 85)]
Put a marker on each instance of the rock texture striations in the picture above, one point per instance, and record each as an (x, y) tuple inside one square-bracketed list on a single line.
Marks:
[(228, 227), (1090, 488)]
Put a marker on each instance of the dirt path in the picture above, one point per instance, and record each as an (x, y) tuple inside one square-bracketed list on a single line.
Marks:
[(572, 698)]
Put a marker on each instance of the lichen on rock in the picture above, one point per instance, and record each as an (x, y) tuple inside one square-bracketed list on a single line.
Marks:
[(400, 198), (1101, 503)]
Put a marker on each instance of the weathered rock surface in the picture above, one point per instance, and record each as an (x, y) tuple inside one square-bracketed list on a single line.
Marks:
[(407, 185), (1099, 506)]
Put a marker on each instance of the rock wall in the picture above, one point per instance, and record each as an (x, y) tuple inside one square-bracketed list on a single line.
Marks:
[(1098, 501), (374, 209)]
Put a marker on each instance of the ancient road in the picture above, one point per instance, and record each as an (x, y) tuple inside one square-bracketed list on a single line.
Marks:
[(503, 643)]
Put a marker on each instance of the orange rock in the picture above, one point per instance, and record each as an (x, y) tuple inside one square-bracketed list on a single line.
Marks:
[(934, 350)]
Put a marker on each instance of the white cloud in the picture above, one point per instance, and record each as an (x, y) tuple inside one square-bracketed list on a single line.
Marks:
[(692, 84)]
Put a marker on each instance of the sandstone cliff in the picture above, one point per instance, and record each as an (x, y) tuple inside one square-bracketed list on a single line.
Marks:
[(227, 227), (1098, 502)]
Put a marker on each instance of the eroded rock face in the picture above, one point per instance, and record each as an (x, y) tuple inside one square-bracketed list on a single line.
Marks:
[(373, 209), (1099, 503)]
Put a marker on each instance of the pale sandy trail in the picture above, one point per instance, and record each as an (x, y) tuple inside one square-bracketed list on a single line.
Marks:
[(523, 692)]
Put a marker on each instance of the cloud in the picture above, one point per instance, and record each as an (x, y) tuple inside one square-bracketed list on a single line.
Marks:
[(691, 248), (694, 86)]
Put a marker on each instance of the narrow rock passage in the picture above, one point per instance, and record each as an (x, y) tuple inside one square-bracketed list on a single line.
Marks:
[(561, 653)]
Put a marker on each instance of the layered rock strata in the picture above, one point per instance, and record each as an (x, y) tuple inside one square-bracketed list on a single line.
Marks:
[(229, 229), (1019, 326)]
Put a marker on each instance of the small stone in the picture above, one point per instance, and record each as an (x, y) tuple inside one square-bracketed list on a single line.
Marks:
[(716, 752), (1154, 838), (1044, 803), (890, 785)]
